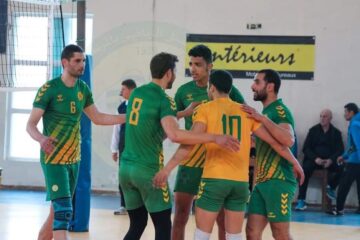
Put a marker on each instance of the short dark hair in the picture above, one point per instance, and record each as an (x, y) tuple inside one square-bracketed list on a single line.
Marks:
[(352, 107), (129, 83), (272, 76), (201, 51), (69, 50), (161, 63), (222, 80)]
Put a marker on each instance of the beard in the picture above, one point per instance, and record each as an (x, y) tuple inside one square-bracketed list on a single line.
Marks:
[(169, 85), (260, 95), (77, 74)]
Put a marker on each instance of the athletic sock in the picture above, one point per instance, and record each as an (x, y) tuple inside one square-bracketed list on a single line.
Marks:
[(231, 236), (200, 235)]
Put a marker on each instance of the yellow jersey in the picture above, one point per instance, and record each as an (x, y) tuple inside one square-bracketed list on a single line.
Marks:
[(223, 116)]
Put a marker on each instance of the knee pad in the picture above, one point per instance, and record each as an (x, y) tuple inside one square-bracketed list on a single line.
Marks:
[(63, 213)]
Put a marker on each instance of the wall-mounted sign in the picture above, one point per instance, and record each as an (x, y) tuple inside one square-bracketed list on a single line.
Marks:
[(292, 56)]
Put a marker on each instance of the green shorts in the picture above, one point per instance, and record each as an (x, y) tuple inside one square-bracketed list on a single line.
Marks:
[(188, 179), (136, 183), (215, 194), (60, 179), (273, 199)]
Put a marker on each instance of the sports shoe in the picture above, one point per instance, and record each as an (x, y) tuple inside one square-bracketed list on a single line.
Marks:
[(330, 193), (335, 212), (120, 211), (301, 205)]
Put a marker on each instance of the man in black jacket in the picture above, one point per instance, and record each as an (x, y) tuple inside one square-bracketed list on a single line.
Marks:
[(323, 145)]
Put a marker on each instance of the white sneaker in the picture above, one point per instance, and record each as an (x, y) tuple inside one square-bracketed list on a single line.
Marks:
[(120, 211)]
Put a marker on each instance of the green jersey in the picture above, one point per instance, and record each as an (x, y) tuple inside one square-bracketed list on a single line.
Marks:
[(269, 164), (190, 92), (62, 107), (144, 134)]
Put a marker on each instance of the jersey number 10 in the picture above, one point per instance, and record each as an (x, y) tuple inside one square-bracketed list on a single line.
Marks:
[(231, 124)]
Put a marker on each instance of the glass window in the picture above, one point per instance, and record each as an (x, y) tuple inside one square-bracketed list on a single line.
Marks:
[(21, 144), (31, 60), (22, 100), (30, 76), (88, 33), (32, 38)]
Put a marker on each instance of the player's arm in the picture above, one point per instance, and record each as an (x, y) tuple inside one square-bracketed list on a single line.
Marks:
[(282, 150), (46, 143), (161, 177), (355, 128), (100, 118), (339, 146), (115, 138), (236, 95), (187, 111), (171, 128), (282, 132)]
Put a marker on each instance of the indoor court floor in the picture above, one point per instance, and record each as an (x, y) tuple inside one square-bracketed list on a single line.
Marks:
[(23, 212)]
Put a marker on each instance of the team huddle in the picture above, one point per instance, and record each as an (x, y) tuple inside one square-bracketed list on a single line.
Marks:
[(213, 155)]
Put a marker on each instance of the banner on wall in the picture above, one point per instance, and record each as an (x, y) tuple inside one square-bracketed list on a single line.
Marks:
[(292, 56)]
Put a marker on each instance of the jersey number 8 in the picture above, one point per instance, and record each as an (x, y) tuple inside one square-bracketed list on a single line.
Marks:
[(135, 108)]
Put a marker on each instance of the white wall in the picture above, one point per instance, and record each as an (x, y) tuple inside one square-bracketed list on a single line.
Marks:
[(128, 33)]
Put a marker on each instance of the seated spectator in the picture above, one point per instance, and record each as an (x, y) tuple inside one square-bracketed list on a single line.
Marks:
[(351, 158), (323, 145)]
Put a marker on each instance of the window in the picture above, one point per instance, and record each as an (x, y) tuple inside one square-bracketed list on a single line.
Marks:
[(31, 56)]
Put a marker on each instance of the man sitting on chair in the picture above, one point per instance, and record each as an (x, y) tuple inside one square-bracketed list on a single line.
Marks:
[(323, 145)]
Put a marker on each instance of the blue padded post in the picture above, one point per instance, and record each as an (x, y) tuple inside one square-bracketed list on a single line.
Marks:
[(81, 199)]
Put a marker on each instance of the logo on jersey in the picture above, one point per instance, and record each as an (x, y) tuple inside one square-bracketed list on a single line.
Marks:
[(59, 98), (45, 87), (41, 92), (189, 97), (201, 190), (271, 215), (80, 96), (172, 103), (281, 111), (284, 202), (161, 160), (165, 193), (54, 188)]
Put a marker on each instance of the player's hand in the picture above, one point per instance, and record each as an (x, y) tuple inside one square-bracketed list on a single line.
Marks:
[(48, 144), (115, 156), (160, 178), (340, 160), (252, 113), (327, 163), (319, 161), (190, 109), (228, 142), (299, 173)]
